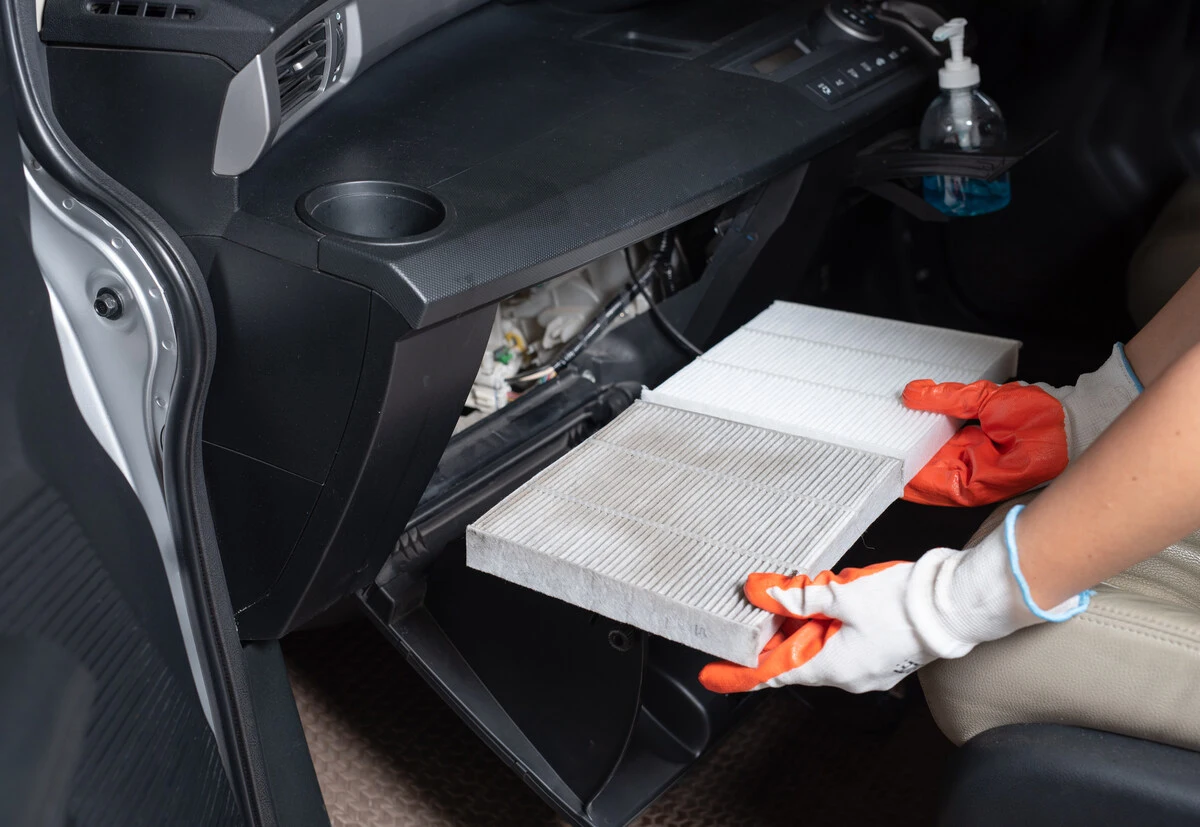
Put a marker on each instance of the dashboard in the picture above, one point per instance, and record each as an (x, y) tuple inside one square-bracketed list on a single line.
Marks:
[(362, 182), (510, 142), (546, 143)]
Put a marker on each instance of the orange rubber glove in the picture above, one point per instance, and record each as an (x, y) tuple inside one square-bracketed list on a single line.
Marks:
[(863, 630), (1019, 443), (1026, 433)]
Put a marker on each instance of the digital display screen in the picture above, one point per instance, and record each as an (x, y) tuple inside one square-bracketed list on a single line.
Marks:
[(774, 62)]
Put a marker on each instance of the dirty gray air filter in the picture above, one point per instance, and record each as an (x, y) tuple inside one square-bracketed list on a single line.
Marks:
[(773, 452), (656, 520)]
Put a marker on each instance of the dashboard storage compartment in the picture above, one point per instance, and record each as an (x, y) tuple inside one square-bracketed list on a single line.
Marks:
[(379, 212)]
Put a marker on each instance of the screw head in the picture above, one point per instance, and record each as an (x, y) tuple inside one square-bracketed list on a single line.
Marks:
[(107, 304), (621, 639)]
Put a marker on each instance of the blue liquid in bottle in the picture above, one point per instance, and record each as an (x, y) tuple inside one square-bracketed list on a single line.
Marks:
[(964, 120), (960, 197)]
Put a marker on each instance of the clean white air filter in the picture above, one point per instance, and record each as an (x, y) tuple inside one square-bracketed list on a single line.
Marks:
[(836, 377), (773, 452)]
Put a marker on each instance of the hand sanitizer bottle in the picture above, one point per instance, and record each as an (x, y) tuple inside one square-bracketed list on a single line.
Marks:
[(962, 119)]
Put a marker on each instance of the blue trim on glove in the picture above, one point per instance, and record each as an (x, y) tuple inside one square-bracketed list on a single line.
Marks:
[(1137, 383), (1010, 540)]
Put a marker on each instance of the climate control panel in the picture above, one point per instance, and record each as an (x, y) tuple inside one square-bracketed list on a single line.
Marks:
[(842, 50), (857, 70)]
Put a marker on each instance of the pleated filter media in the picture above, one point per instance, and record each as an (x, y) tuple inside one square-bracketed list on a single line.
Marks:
[(773, 452), (837, 377)]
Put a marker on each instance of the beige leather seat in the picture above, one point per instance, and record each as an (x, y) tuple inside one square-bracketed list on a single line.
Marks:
[(1131, 663)]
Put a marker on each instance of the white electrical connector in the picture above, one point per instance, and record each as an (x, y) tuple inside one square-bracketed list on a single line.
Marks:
[(532, 327), (489, 393)]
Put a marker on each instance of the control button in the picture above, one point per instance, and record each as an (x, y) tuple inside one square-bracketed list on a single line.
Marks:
[(883, 62), (856, 20), (823, 90), (892, 57), (840, 83), (855, 74), (867, 69), (852, 15)]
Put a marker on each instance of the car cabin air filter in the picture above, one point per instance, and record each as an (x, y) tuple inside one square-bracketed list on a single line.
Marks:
[(773, 452), (837, 377)]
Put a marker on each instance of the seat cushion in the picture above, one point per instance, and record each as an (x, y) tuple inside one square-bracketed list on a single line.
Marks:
[(1130, 664), (1039, 775)]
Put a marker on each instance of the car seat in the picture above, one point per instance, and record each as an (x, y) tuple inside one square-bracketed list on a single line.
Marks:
[(1095, 721)]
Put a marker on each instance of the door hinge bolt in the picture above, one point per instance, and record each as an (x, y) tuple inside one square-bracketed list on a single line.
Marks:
[(107, 304)]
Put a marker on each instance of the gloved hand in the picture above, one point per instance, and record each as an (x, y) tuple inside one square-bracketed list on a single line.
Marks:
[(1026, 433), (864, 629)]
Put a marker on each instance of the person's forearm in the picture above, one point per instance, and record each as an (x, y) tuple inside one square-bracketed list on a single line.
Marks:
[(1171, 333), (1132, 494)]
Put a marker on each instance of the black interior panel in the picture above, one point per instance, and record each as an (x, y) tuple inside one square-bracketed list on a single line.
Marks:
[(289, 764), (579, 703), (291, 349), (678, 29), (149, 119), (229, 30), (408, 399), (260, 512), (548, 150)]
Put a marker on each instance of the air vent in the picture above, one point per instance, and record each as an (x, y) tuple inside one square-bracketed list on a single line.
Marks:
[(300, 66), (124, 8)]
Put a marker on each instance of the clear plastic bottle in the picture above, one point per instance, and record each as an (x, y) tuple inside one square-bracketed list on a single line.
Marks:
[(963, 119)]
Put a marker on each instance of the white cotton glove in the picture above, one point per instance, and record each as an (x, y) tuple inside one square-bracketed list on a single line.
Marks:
[(1095, 400), (863, 630)]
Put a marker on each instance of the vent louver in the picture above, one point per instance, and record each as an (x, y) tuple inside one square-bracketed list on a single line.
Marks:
[(300, 66), (124, 8)]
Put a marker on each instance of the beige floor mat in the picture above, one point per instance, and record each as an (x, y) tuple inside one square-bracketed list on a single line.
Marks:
[(389, 753)]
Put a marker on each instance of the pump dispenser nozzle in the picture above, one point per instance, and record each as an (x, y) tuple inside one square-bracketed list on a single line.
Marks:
[(959, 72)]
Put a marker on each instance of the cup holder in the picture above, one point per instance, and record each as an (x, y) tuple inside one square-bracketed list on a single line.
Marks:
[(377, 212)]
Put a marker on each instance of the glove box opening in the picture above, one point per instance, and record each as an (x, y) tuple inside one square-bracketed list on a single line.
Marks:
[(599, 718)]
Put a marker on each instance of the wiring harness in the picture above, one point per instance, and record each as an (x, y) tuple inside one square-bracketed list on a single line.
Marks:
[(657, 265)]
